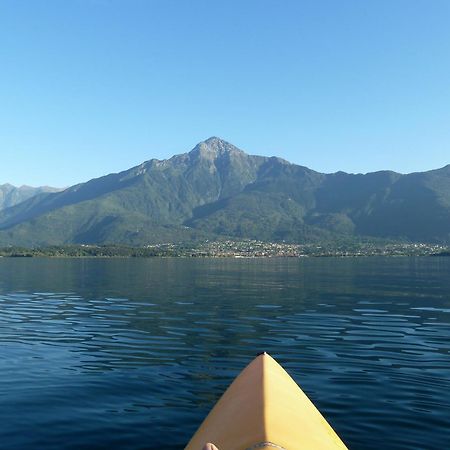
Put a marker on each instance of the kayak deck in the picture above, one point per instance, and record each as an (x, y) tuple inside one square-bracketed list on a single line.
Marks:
[(265, 408)]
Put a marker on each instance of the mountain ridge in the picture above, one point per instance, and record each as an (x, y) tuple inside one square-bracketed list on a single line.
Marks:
[(217, 190), (11, 195)]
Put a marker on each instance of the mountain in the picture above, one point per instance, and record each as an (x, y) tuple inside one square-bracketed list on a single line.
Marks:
[(11, 195), (217, 190)]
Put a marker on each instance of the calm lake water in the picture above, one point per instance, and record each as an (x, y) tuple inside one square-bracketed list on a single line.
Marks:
[(132, 353)]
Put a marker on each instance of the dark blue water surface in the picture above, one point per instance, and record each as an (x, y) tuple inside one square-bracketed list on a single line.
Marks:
[(132, 353)]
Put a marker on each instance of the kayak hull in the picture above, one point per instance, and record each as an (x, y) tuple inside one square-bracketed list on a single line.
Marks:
[(265, 408)]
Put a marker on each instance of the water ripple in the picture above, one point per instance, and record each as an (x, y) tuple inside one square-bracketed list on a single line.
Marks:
[(118, 354)]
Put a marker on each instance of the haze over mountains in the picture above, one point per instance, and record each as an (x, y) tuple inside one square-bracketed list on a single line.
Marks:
[(217, 190), (11, 195)]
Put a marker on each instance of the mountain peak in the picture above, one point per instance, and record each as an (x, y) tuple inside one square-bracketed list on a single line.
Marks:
[(214, 140), (214, 147)]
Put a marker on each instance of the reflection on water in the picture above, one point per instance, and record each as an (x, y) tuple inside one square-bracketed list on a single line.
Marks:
[(132, 353)]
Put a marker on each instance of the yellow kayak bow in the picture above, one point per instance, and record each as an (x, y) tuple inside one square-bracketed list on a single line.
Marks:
[(265, 409)]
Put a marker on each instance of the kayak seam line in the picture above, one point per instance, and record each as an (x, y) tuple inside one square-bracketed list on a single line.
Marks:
[(265, 444)]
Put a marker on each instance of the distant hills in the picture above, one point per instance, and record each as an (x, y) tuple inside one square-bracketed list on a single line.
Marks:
[(217, 190), (11, 195)]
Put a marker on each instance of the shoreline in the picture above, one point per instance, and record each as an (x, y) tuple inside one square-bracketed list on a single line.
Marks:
[(248, 249)]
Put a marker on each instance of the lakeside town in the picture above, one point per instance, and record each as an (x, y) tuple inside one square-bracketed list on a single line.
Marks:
[(256, 249), (234, 249)]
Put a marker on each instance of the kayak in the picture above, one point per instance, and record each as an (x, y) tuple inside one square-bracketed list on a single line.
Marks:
[(265, 409)]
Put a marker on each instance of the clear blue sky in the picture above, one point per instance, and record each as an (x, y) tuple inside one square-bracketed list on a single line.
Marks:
[(89, 87)]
